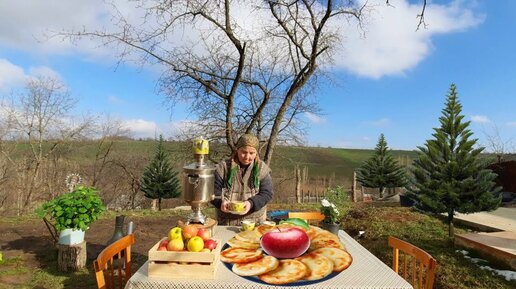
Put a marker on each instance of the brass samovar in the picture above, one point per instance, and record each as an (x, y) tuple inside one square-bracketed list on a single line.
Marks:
[(198, 183)]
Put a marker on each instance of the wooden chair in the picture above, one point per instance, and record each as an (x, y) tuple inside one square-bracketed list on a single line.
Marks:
[(113, 264), (311, 217), (421, 276)]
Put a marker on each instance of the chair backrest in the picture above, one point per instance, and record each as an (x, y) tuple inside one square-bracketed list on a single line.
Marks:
[(311, 217), (113, 264), (418, 266)]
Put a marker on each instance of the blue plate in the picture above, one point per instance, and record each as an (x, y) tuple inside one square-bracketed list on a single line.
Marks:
[(257, 280)]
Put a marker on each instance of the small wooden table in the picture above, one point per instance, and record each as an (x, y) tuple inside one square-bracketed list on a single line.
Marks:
[(366, 271)]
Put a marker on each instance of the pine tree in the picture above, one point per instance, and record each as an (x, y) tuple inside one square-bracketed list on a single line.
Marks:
[(159, 180), (449, 175), (381, 170)]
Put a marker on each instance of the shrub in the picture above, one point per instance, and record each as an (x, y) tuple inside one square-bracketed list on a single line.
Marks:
[(75, 210)]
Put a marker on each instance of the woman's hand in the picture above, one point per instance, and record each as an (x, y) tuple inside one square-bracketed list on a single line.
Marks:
[(248, 207), (225, 206)]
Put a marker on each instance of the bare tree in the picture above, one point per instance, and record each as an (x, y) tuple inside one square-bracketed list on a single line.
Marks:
[(109, 130), (39, 117), (497, 145), (237, 77)]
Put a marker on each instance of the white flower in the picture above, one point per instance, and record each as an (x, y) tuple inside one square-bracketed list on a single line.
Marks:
[(325, 203)]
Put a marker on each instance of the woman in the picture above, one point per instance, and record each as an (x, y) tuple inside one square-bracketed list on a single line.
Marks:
[(243, 177)]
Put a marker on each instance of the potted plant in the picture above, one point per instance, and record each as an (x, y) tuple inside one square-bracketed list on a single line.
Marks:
[(331, 216), (72, 213)]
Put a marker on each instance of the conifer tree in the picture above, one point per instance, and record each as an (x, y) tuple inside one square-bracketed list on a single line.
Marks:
[(449, 174), (159, 181), (381, 170)]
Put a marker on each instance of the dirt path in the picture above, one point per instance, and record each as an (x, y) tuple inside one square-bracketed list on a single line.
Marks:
[(30, 242)]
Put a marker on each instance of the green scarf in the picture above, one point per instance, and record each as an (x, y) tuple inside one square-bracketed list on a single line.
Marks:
[(255, 174)]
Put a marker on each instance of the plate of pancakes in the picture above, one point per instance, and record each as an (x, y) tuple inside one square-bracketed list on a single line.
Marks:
[(325, 258)]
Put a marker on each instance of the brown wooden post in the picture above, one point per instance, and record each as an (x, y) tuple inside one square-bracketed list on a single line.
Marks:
[(354, 187), (71, 257), (298, 184)]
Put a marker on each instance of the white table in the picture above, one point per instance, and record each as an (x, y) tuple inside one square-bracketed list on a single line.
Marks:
[(366, 271)]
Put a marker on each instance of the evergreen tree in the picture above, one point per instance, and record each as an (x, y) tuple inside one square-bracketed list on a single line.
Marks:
[(159, 180), (449, 175), (381, 170)]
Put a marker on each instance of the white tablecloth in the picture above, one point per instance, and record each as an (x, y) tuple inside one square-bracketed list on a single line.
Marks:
[(366, 271)]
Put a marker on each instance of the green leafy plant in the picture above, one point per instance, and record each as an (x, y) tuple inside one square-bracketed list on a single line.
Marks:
[(75, 210)]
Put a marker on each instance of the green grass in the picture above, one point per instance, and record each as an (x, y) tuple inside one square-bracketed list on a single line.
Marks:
[(426, 232)]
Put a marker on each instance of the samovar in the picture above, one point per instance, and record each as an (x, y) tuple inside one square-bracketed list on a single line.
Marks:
[(198, 182)]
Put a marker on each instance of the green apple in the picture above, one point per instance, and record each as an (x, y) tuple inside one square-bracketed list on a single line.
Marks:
[(195, 244), (175, 233)]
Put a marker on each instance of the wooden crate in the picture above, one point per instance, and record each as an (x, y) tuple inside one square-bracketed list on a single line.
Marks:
[(183, 264)]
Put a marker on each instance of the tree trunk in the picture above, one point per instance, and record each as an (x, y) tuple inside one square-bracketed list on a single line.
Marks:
[(71, 257), (159, 204), (450, 224), (382, 190)]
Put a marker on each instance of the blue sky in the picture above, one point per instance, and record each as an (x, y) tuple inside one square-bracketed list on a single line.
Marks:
[(390, 80)]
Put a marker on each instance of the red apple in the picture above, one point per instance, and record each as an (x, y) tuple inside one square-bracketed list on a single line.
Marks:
[(210, 244), (204, 233), (285, 243), (163, 245)]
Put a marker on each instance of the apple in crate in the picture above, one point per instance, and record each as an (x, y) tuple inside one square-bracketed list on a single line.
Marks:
[(163, 245), (285, 242), (195, 244), (176, 245), (175, 233), (204, 233), (210, 244), (190, 231)]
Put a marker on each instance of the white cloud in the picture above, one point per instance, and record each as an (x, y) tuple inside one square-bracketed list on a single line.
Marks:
[(10, 74), (384, 122), (45, 71), (480, 119), (391, 45), (141, 128), (314, 118)]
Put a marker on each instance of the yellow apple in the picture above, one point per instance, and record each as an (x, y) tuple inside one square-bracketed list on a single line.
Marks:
[(195, 244), (175, 233), (176, 244)]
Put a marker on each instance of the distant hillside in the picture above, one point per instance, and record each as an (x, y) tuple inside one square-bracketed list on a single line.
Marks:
[(329, 161)]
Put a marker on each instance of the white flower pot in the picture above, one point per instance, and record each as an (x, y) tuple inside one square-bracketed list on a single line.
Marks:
[(71, 237)]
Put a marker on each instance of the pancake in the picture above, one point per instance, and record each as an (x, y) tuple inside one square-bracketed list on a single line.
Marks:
[(235, 243), (262, 229), (240, 255), (340, 258), (289, 270), (318, 266), (255, 268), (249, 236), (325, 239), (312, 232)]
